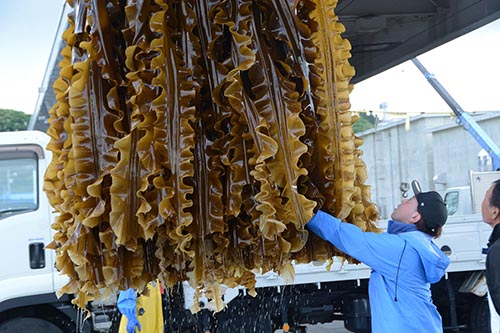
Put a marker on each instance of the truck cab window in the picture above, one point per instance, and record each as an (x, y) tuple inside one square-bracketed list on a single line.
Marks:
[(451, 200), (18, 183)]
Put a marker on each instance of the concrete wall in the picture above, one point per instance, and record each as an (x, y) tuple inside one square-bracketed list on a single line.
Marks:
[(455, 150), (396, 153)]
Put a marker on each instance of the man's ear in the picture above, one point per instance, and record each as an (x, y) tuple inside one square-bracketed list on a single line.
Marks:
[(495, 213), (415, 217)]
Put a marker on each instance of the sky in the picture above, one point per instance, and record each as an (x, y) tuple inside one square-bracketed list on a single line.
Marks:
[(468, 67), (27, 32)]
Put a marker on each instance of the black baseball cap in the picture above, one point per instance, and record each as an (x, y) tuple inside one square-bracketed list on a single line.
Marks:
[(431, 206)]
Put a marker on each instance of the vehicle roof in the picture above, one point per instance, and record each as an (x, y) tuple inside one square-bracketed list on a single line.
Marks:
[(24, 137)]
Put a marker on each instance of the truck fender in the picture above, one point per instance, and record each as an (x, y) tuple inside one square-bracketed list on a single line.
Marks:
[(33, 300)]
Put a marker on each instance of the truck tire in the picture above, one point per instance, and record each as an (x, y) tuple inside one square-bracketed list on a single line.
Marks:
[(480, 316), (32, 325)]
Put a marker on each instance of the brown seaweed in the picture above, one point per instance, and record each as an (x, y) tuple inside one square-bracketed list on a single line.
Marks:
[(192, 140)]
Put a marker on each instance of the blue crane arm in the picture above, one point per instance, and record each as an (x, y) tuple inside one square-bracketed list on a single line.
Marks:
[(463, 118), (481, 137)]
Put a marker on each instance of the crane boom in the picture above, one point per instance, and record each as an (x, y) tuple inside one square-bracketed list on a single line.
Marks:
[(463, 118)]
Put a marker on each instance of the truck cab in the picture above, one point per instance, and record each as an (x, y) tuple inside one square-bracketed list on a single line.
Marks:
[(25, 219), (28, 278), (466, 200), (458, 200)]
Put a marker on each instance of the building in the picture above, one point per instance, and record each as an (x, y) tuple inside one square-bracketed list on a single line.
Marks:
[(433, 149)]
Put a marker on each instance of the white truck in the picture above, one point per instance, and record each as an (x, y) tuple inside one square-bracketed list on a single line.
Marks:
[(466, 200), (28, 279)]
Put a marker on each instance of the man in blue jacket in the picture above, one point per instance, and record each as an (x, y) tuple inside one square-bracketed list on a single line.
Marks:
[(404, 261)]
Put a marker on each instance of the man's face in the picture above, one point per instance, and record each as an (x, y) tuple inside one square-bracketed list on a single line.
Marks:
[(406, 211), (490, 213)]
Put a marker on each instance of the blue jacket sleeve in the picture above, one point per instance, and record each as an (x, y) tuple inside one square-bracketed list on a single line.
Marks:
[(379, 251)]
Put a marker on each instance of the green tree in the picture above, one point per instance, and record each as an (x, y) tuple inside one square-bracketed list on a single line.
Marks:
[(12, 120), (365, 122)]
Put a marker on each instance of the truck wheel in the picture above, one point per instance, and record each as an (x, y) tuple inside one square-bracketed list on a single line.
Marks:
[(32, 325), (480, 316)]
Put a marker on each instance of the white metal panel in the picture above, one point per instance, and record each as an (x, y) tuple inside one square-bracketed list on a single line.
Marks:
[(18, 231)]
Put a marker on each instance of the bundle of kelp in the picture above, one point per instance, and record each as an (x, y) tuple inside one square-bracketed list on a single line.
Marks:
[(193, 139)]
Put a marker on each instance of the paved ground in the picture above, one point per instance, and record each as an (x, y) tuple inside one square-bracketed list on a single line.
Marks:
[(336, 326)]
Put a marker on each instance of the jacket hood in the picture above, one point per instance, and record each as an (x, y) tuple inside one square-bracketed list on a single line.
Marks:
[(433, 259)]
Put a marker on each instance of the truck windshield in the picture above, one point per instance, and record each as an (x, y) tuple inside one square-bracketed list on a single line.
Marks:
[(18, 184)]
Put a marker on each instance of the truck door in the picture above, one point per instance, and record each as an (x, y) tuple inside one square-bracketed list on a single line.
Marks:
[(26, 268)]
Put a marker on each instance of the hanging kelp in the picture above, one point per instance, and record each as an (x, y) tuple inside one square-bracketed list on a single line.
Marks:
[(193, 139)]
